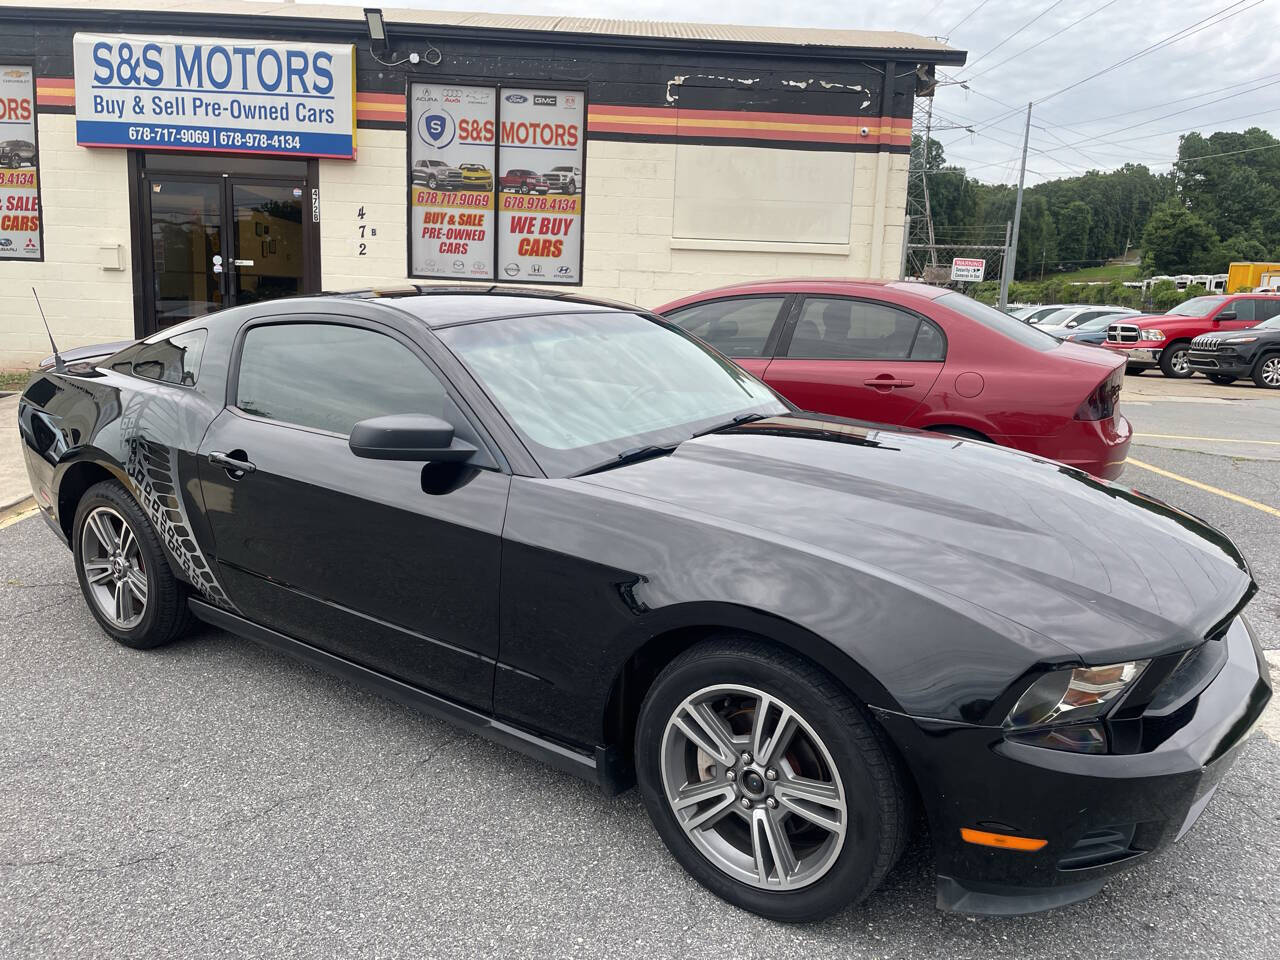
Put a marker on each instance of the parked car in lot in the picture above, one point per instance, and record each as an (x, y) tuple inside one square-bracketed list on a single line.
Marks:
[(1034, 315), (1254, 353), (436, 175), (522, 181), (17, 153), (577, 530), (1070, 317), (1092, 332), (1164, 340), (919, 356), (563, 179)]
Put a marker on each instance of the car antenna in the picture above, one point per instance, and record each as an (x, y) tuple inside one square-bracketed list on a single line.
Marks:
[(58, 365)]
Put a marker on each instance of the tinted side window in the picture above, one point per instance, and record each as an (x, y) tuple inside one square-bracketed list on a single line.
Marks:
[(930, 344), (175, 360), (1266, 309), (836, 329), (330, 377), (1243, 308), (737, 328)]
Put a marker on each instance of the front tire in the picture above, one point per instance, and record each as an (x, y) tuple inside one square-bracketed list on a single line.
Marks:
[(768, 782), (1175, 361), (1266, 372), (123, 572)]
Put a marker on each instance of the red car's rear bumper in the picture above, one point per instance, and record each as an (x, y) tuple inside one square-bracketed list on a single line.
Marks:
[(1098, 447)]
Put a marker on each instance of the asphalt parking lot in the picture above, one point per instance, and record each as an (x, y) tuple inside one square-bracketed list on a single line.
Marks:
[(214, 799)]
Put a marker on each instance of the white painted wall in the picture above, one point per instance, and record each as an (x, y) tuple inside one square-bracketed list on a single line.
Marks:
[(85, 197)]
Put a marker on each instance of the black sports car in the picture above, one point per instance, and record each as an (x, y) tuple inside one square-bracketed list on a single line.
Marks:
[(576, 529)]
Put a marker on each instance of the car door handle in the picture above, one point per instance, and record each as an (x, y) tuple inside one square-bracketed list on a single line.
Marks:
[(231, 464), (888, 382)]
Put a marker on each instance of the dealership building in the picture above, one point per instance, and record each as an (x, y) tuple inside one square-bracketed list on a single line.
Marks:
[(160, 159)]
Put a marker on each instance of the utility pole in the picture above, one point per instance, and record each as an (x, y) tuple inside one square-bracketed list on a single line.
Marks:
[(1011, 260), (924, 183)]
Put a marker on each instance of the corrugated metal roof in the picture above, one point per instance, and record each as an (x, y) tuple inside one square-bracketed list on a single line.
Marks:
[(656, 29)]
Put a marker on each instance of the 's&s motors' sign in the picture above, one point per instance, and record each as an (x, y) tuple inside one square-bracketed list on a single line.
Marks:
[(193, 93)]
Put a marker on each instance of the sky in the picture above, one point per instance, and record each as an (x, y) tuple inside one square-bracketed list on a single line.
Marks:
[(1133, 113)]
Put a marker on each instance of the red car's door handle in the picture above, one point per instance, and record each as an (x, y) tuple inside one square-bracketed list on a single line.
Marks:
[(888, 382)]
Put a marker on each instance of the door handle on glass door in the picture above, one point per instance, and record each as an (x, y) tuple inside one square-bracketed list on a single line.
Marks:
[(888, 382), (231, 464)]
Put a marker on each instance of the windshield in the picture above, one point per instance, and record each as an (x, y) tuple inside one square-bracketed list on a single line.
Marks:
[(1196, 307), (1001, 323), (1273, 323), (1058, 316), (582, 388), (1099, 323)]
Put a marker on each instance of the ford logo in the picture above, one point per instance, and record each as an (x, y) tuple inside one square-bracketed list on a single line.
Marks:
[(517, 98)]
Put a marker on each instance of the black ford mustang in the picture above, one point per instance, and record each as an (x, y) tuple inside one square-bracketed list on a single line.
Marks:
[(583, 533)]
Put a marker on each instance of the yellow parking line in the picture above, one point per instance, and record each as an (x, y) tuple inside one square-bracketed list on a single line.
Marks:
[(1175, 436), (1205, 487), (20, 515)]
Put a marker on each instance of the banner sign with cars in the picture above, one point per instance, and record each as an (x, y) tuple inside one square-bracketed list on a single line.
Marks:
[(452, 147), (495, 183), (194, 93), (20, 237), (540, 151)]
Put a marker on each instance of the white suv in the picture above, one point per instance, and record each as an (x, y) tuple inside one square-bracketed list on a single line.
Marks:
[(563, 179)]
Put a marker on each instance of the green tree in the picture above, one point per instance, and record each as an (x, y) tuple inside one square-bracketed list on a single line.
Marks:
[(1237, 249), (1176, 240), (1073, 233), (1165, 295)]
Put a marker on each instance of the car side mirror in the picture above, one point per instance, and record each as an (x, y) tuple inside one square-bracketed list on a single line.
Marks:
[(1225, 315), (408, 436)]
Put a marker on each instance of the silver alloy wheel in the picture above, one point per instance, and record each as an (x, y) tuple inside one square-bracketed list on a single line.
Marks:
[(1181, 362), (1271, 371), (114, 568), (753, 787)]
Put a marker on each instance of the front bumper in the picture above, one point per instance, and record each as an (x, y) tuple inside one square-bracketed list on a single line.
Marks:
[(1136, 356), (1100, 813), (1231, 365)]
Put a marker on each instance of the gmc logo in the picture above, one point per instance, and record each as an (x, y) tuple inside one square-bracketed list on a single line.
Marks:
[(544, 100)]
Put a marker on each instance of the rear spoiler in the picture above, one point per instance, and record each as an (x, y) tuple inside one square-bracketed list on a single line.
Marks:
[(97, 351)]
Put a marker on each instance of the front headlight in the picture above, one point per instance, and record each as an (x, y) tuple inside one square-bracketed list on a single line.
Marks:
[(1235, 340), (1152, 334), (1076, 693)]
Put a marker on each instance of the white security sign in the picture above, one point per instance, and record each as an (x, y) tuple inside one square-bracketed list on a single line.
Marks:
[(540, 151), (194, 93), (968, 269), (19, 165), (452, 146)]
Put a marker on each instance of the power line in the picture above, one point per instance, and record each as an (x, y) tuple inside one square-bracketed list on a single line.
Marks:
[(983, 56), (1183, 34), (982, 4), (1165, 103), (1044, 41)]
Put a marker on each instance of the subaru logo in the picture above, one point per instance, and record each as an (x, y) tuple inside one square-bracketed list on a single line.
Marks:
[(516, 98), (5, 242)]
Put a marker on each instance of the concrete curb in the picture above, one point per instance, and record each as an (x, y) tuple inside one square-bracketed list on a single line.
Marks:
[(17, 510)]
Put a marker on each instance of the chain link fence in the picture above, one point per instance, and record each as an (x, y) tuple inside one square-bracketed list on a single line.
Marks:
[(932, 262)]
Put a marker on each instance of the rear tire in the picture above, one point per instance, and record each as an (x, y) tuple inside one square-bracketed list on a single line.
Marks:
[(784, 856), (1174, 361), (123, 572), (1266, 372)]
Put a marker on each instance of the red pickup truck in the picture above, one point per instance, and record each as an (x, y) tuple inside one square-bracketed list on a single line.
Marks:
[(1163, 340)]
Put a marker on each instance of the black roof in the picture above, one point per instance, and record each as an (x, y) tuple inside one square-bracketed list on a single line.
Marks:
[(440, 305)]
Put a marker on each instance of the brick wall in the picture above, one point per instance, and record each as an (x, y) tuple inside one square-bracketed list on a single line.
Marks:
[(85, 198)]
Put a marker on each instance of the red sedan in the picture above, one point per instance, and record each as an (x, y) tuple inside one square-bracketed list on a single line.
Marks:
[(920, 356)]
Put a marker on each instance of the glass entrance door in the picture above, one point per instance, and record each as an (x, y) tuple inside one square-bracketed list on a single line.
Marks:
[(267, 261), (214, 240)]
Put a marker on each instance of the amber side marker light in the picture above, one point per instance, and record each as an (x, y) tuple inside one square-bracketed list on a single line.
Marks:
[(1002, 840)]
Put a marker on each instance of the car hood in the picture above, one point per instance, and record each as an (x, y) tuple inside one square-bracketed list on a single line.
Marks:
[(1101, 569)]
